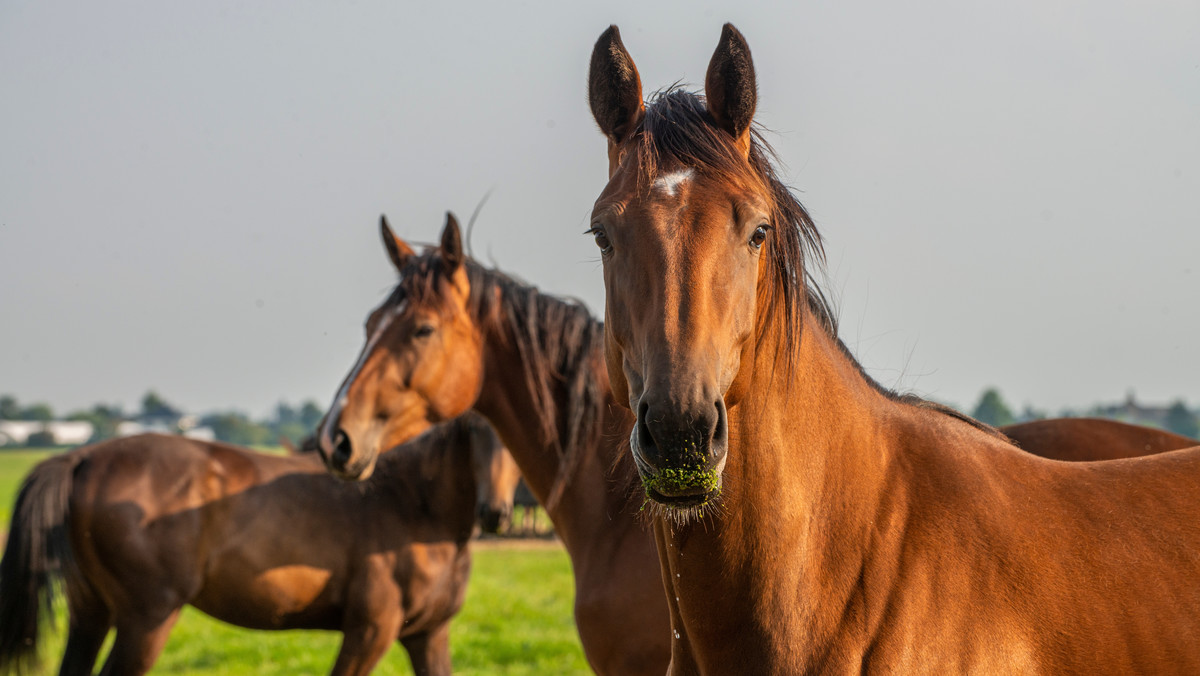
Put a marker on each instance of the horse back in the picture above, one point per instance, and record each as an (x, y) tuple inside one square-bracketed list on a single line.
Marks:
[(137, 514), (1081, 439)]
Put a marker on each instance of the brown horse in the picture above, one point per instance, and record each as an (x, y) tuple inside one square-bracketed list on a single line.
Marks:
[(1086, 439), (807, 519), (517, 356), (454, 335), (138, 527)]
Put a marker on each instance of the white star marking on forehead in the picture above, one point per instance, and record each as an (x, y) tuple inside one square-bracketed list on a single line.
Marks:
[(670, 183), (340, 399)]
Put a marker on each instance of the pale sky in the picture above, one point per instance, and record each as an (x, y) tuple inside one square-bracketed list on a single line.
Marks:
[(189, 192)]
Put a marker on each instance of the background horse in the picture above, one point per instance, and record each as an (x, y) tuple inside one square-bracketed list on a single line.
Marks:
[(138, 527), (502, 478), (520, 356), (808, 519), (453, 335), (1086, 439)]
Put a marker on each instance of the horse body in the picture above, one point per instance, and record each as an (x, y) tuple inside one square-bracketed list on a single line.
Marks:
[(919, 553), (155, 522), (807, 519), (1092, 439)]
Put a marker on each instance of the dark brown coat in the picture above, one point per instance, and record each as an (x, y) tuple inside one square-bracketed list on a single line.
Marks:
[(141, 526)]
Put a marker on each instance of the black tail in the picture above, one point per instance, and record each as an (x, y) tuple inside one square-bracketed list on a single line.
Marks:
[(37, 549)]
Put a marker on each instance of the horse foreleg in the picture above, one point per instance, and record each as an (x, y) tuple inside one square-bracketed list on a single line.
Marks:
[(430, 651), (138, 644), (363, 648), (370, 628)]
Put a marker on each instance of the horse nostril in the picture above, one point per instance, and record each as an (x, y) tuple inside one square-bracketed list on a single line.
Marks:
[(645, 436), (683, 436), (720, 432), (341, 448)]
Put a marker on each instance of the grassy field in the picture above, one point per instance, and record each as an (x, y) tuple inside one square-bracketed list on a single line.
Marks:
[(516, 620), (14, 465)]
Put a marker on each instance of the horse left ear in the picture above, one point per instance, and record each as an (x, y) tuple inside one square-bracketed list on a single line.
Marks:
[(398, 250), (729, 86), (451, 249), (614, 88)]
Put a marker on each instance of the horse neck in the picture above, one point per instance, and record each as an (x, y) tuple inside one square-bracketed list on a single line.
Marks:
[(813, 428), (508, 402), (807, 477), (435, 481), (823, 433)]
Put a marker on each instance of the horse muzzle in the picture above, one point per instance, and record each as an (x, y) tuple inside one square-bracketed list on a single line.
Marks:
[(680, 454)]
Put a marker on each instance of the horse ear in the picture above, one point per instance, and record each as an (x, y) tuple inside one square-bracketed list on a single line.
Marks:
[(729, 85), (614, 87), (398, 250), (451, 249)]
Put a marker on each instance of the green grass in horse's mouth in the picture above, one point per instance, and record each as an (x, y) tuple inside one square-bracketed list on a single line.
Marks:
[(672, 481)]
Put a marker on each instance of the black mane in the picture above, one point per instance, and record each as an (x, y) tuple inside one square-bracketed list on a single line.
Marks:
[(560, 346)]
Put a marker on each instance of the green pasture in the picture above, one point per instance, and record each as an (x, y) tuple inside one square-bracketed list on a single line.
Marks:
[(516, 620), (14, 465)]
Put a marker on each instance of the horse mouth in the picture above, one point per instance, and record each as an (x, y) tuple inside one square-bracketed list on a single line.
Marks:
[(681, 501), (680, 488), (359, 471)]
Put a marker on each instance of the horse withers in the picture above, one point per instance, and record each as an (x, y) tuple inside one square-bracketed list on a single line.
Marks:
[(140, 526)]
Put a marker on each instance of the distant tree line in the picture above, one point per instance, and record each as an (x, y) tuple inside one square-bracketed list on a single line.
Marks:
[(286, 422), (236, 427), (11, 410)]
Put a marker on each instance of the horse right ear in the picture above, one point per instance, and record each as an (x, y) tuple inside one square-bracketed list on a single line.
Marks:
[(451, 248), (730, 89), (614, 88), (398, 250)]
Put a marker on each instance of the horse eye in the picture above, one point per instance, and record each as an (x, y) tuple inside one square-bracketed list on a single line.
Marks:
[(759, 236), (423, 331), (601, 239)]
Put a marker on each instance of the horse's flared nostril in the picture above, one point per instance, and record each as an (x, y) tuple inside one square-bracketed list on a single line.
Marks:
[(341, 449), (672, 436), (720, 432), (645, 437)]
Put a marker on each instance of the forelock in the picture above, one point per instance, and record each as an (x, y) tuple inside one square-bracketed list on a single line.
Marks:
[(678, 133)]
